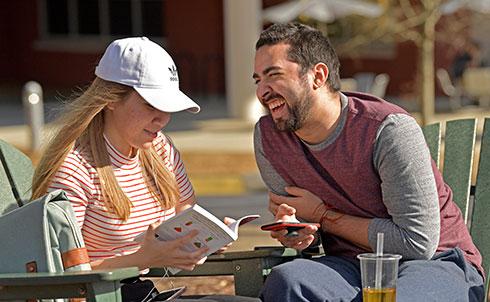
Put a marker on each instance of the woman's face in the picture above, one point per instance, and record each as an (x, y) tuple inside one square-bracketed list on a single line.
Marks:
[(133, 123)]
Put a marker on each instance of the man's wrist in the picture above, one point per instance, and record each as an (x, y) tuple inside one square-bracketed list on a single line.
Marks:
[(320, 211), (329, 216)]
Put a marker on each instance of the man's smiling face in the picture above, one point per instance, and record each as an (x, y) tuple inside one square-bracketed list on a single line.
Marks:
[(281, 88)]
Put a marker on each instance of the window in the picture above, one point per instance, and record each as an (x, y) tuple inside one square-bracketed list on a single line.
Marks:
[(58, 8), (88, 11), (101, 18)]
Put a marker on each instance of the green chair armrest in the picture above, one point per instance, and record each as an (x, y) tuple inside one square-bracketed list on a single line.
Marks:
[(224, 261), (96, 285), (249, 268)]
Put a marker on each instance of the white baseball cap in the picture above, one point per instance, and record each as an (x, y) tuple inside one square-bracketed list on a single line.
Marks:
[(149, 69)]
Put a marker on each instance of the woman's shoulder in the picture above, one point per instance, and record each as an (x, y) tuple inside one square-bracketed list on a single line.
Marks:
[(80, 156), (75, 169)]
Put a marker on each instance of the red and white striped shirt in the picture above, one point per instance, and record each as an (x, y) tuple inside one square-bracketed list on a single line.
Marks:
[(105, 234)]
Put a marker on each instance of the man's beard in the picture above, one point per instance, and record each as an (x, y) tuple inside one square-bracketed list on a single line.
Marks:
[(298, 114)]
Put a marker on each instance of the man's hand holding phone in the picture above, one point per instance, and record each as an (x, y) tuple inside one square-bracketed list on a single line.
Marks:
[(289, 231), (291, 226)]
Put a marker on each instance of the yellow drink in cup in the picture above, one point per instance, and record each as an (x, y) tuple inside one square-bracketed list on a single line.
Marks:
[(378, 276), (379, 295)]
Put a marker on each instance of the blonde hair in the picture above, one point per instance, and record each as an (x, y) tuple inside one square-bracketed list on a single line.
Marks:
[(83, 121)]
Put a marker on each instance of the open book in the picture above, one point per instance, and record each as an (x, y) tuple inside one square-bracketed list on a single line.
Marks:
[(213, 233)]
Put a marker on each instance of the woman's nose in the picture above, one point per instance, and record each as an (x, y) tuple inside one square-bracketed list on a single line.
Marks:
[(161, 118)]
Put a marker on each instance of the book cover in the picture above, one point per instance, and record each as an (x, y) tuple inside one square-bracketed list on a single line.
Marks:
[(213, 233)]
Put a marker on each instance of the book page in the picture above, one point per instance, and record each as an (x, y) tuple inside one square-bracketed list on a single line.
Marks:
[(210, 235), (213, 233), (241, 221)]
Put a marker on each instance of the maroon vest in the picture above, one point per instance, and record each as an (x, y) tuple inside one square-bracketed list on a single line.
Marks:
[(349, 160)]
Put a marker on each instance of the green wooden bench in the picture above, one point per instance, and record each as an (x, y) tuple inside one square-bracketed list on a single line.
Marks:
[(248, 268), (460, 143)]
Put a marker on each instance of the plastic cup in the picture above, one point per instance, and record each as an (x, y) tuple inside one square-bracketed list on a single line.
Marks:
[(378, 277)]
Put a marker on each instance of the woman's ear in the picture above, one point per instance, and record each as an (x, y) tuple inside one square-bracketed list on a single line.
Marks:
[(110, 106), (320, 75)]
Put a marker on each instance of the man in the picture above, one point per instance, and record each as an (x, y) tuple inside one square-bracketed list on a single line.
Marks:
[(468, 56), (359, 166)]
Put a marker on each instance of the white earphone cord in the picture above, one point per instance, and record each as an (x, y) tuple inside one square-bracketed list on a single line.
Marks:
[(156, 283)]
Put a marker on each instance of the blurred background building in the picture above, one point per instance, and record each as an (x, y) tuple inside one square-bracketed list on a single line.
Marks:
[(58, 42)]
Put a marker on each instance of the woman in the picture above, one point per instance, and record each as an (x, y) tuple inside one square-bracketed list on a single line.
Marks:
[(121, 174)]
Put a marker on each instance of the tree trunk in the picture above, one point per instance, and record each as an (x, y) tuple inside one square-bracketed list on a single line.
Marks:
[(426, 62)]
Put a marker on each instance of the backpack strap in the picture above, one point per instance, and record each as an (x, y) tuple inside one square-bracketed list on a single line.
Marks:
[(75, 257)]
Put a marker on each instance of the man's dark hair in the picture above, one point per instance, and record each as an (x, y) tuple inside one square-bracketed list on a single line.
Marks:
[(307, 47)]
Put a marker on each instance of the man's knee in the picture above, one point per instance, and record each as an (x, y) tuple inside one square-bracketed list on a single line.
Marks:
[(307, 280), (439, 281), (286, 274)]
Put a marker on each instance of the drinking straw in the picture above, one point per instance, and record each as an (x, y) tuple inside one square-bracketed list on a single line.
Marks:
[(379, 263)]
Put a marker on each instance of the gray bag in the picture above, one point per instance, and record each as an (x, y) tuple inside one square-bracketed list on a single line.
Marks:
[(42, 236)]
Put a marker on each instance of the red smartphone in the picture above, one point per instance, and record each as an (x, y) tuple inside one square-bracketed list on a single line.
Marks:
[(291, 226)]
